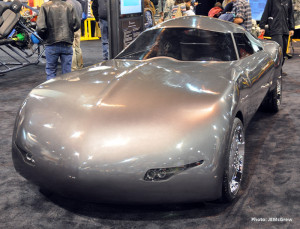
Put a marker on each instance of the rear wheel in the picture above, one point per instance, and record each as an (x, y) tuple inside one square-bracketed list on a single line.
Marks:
[(272, 101), (234, 162)]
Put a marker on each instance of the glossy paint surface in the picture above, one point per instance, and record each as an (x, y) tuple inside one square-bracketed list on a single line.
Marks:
[(94, 134)]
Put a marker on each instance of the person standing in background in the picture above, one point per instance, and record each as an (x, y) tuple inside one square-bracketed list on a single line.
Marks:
[(148, 15), (154, 3), (189, 8), (204, 6), (84, 5), (243, 16), (225, 2), (216, 10), (151, 7), (179, 9), (228, 7), (278, 17), (160, 9), (99, 8), (77, 60), (194, 4), (56, 24), (168, 9)]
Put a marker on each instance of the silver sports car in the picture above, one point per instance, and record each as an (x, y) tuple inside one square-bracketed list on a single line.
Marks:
[(163, 122)]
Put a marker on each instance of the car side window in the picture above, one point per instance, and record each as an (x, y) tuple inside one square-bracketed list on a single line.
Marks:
[(243, 44), (257, 46)]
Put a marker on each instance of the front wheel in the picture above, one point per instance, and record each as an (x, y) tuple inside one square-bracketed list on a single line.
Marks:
[(234, 162)]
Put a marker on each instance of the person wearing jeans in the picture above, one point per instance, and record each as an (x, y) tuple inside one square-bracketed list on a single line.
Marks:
[(61, 50), (104, 38), (99, 8), (56, 24)]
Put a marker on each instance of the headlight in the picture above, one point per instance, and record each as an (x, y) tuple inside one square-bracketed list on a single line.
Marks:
[(160, 174)]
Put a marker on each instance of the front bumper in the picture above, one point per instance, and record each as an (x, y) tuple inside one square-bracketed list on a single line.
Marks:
[(92, 185)]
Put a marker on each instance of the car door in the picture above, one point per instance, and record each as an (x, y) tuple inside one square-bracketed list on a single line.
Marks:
[(258, 67)]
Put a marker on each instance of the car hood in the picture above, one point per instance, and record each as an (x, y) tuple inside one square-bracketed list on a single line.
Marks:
[(127, 83), (120, 110)]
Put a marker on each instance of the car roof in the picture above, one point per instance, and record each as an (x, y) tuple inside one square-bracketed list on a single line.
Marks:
[(202, 22)]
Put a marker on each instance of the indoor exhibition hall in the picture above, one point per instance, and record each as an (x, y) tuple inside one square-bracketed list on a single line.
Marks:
[(149, 114)]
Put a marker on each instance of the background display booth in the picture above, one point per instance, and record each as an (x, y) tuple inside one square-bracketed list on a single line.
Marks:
[(126, 22)]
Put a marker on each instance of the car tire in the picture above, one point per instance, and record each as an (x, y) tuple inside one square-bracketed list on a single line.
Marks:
[(234, 162), (273, 99)]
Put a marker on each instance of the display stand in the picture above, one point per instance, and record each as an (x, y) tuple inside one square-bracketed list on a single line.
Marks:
[(125, 22)]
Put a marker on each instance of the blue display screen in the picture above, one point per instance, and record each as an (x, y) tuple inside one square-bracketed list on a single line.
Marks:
[(131, 6), (257, 8)]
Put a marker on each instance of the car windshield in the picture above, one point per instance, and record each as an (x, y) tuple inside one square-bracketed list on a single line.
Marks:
[(185, 44)]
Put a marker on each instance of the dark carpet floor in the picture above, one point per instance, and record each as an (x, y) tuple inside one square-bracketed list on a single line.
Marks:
[(271, 189)]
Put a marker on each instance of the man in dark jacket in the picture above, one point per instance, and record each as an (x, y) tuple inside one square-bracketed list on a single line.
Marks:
[(99, 8), (278, 16), (56, 24)]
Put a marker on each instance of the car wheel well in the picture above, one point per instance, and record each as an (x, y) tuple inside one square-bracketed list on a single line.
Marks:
[(239, 115), (272, 100)]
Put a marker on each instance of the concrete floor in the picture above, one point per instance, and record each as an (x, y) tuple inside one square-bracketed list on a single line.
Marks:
[(271, 187)]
